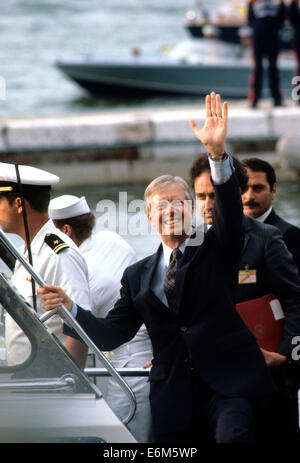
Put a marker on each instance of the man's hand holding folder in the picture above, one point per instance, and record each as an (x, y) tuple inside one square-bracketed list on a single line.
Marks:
[(273, 359), (265, 318)]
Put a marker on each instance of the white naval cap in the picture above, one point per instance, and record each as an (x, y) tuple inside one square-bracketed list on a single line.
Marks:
[(29, 176), (67, 206)]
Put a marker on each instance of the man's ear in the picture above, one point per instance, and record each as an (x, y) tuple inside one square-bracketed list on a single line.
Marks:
[(67, 229), (149, 217), (18, 204)]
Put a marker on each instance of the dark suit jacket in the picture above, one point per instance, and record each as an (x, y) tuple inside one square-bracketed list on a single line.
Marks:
[(207, 326), (290, 233), (265, 251)]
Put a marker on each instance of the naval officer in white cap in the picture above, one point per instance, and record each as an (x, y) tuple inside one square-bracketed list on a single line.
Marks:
[(25, 189), (107, 256)]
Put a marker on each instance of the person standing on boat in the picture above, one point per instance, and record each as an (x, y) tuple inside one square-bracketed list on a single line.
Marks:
[(107, 256), (265, 17), (24, 199), (207, 369), (266, 267), (294, 17)]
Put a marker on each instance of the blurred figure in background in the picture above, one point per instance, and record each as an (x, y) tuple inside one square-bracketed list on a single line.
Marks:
[(265, 17)]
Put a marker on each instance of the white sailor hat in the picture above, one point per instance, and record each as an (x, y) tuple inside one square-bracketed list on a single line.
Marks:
[(67, 206), (29, 177)]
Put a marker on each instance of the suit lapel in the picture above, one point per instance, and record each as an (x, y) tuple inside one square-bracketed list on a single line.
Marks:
[(149, 268), (272, 218)]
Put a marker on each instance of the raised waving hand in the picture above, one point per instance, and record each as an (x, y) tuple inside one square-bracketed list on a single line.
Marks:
[(213, 133)]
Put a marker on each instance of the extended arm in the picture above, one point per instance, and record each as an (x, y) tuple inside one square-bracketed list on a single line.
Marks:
[(228, 211), (120, 325)]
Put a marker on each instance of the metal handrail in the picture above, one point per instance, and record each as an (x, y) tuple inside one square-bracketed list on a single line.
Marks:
[(67, 317), (97, 372), (64, 383)]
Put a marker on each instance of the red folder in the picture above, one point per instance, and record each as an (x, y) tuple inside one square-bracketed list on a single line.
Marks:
[(265, 319)]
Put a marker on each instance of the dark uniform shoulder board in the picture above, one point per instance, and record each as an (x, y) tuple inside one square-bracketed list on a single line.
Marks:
[(55, 243)]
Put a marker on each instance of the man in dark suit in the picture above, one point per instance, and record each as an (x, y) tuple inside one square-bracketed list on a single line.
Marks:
[(207, 370), (257, 201), (267, 261)]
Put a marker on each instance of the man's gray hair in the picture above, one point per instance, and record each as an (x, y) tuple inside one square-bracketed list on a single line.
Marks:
[(163, 181)]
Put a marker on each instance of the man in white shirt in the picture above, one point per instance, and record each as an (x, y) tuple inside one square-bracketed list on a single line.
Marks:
[(107, 256), (54, 257)]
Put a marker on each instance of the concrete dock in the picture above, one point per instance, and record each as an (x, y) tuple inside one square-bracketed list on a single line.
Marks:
[(138, 144)]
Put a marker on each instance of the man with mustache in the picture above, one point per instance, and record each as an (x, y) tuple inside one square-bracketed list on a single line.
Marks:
[(271, 271), (257, 202)]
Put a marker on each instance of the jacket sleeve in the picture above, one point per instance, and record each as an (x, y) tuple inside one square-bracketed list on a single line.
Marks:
[(120, 325), (228, 218), (285, 283)]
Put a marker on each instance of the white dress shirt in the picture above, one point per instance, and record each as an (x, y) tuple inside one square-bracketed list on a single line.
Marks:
[(157, 283), (107, 255), (264, 216)]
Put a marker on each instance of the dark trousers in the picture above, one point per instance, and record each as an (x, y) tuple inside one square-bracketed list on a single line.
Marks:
[(283, 411), (266, 49), (297, 51), (215, 418)]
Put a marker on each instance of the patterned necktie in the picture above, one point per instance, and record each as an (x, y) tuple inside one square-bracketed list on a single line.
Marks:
[(169, 283)]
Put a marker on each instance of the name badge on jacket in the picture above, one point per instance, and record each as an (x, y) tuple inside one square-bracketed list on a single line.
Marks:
[(247, 276)]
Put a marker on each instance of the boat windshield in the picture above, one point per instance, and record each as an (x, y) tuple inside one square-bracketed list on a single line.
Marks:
[(232, 13), (196, 50)]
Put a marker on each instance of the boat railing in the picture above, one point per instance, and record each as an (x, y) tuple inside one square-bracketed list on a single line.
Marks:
[(100, 372), (64, 384), (71, 322)]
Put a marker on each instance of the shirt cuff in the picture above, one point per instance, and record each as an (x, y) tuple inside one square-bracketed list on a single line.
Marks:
[(74, 310), (221, 171)]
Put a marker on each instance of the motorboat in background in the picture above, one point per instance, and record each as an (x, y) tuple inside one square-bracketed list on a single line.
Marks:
[(229, 23), (194, 67)]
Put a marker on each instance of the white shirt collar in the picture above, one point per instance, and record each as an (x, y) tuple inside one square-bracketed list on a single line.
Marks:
[(167, 251), (38, 240), (263, 217)]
